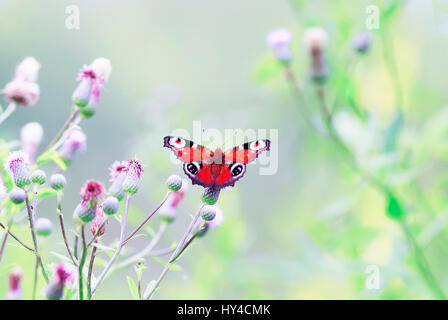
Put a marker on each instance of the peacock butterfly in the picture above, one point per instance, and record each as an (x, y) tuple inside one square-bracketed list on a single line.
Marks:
[(214, 169)]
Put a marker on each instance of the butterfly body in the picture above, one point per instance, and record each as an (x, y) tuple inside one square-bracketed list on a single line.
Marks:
[(214, 169)]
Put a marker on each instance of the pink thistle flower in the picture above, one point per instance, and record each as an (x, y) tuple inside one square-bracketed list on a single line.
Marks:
[(97, 223), (75, 143), (63, 275), (14, 292), (92, 191), (17, 165), (134, 171), (117, 168), (168, 210), (23, 89), (91, 195)]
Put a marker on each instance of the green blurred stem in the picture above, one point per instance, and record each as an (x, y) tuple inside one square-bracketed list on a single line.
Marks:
[(5, 238), (422, 263), (9, 111), (89, 274), (188, 243), (120, 246), (81, 263), (141, 224), (63, 129), (8, 231), (146, 251), (388, 52), (64, 236), (175, 253)]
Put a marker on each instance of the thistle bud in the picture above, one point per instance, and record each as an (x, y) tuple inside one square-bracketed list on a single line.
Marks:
[(168, 210), (280, 42), (17, 165), (111, 205), (174, 182), (315, 41), (134, 170), (99, 223), (14, 292), (81, 95), (84, 212), (55, 288), (17, 195), (210, 224), (210, 196), (117, 175), (92, 79), (75, 143), (43, 227), (91, 194), (58, 181), (39, 177), (208, 213)]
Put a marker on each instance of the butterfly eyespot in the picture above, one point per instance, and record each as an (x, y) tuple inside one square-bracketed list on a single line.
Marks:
[(192, 167), (237, 169), (177, 142), (257, 145)]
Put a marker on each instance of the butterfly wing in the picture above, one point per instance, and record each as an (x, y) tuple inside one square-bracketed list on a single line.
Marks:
[(247, 152), (214, 175), (186, 150)]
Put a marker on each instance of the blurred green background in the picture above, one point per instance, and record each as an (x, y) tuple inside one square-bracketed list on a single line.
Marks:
[(309, 231)]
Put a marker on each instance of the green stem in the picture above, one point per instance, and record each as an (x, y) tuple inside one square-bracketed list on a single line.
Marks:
[(120, 246), (175, 253), (81, 264), (89, 275), (422, 264), (39, 261)]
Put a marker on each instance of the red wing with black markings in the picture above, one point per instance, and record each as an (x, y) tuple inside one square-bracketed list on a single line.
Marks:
[(186, 150), (215, 169)]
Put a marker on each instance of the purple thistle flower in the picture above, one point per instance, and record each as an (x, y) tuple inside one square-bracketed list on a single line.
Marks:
[(14, 292), (280, 42), (75, 143), (134, 171), (63, 275), (17, 165)]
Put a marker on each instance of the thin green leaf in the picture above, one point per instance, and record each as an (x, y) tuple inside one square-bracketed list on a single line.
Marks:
[(133, 288)]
